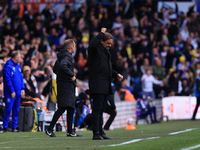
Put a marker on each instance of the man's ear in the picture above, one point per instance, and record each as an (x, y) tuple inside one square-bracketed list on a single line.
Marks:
[(102, 42)]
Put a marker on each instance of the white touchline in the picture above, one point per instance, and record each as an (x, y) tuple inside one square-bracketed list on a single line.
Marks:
[(133, 141), (193, 147), (153, 138), (128, 142), (187, 130)]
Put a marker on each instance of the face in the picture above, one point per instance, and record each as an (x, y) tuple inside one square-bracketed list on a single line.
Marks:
[(18, 58), (27, 73), (158, 62), (107, 44), (148, 72), (146, 62), (73, 47)]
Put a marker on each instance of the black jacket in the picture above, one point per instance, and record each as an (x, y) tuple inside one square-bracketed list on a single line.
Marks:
[(100, 68), (64, 69), (64, 66)]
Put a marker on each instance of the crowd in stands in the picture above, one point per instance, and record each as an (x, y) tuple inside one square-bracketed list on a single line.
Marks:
[(155, 50)]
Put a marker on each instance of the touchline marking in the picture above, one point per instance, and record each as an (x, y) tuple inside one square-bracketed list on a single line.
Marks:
[(153, 138), (193, 147), (128, 142), (133, 141), (187, 130), (12, 141), (35, 147)]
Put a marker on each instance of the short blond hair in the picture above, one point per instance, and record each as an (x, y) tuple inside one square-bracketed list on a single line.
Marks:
[(68, 43)]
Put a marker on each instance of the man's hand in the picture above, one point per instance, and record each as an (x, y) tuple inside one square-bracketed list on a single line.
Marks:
[(22, 93), (13, 95), (120, 77), (73, 78), (103, 30)]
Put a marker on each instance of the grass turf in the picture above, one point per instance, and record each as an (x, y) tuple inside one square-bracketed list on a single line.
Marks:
[(38, 140)]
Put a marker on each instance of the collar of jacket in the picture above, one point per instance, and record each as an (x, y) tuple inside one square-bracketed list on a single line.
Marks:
[(62, 53), (11, 62)]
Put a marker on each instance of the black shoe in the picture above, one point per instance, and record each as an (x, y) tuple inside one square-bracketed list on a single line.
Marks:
[(16, 130), (73, 134), (193, 119), (104, 136), (157, 121), (97, 137), (50, 133), (5, 130)]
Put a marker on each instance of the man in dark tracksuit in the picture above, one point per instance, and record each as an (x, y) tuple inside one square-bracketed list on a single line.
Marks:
[(13, 89), (100, 76), (66, 83)]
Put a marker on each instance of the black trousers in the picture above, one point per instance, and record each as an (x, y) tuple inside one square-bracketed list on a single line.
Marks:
[(58, 113), (196, 108), (99, 105), (87, 121), (109, 110)]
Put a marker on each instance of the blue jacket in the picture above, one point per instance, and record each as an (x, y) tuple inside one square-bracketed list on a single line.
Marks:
[(12, 78), (196, 93)]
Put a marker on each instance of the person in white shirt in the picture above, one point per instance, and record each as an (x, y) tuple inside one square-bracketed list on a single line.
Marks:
[(147, 84), (185, 33)]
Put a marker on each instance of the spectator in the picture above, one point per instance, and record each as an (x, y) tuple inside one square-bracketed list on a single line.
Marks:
[(170, 59), (23, 8), (31, 79), (173, 82), (145, 66), (145, 108), (135, 76), (185, 88), (81, 111), (155, 55), (147, 84), (185, 34)]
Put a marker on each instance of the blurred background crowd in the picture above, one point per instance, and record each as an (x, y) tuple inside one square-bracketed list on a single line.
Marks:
[(162, 43)]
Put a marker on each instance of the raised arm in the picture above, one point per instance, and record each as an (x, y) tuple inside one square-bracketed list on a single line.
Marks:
[(156, 81), (96, 40)]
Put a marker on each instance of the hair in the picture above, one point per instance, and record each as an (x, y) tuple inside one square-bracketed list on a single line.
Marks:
[(147, 69), (14, 54), (107, 36), (68, 43)]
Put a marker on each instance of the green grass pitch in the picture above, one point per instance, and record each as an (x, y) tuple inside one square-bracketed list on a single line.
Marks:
[(145, 137)]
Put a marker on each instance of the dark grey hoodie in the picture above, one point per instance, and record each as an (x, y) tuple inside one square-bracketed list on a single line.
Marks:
[(64, 66)]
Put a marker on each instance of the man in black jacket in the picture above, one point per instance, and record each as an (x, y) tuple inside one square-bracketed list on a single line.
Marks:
[(100, 76), (66, 83), (110, 109)]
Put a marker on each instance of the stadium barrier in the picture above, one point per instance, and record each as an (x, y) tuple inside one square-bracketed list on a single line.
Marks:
[(126, 110), (179, 107)]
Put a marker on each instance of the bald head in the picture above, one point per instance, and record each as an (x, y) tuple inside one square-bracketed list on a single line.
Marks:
[(158, 62), (16, 57)]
